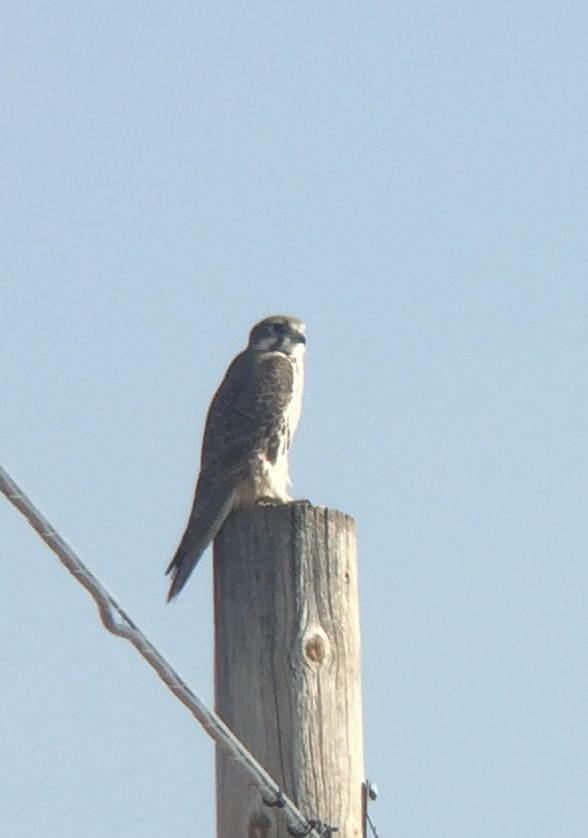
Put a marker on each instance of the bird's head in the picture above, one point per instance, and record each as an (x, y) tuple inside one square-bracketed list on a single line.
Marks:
[(278, 334)]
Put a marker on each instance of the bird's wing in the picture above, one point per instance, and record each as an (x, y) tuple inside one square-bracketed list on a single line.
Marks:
[(245, 416), (247, 409)]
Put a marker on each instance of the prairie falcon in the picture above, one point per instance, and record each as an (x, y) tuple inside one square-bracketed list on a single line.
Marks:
[(247, 434)]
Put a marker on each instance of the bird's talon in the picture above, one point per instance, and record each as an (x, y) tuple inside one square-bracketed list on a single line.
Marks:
[(267, 501)]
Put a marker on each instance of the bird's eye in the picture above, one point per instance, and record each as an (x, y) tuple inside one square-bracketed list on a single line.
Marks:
[(279, 328)]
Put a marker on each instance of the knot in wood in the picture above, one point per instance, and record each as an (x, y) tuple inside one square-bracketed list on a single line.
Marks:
[(259, 826), (316, 646)]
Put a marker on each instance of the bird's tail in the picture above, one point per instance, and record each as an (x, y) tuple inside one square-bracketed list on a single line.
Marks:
[(210, 511)]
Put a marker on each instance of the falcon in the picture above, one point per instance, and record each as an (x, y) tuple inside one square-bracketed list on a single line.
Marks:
[(248, 431)]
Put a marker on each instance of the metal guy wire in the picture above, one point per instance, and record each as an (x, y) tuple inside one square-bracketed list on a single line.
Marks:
[(116, 621)]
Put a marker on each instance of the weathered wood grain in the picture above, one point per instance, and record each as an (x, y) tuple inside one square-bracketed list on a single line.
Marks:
[(287, 665)]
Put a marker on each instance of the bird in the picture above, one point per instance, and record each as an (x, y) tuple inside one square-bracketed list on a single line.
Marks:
[(247, 434)]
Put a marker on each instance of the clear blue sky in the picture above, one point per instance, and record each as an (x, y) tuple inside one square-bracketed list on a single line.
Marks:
[(409, 179)]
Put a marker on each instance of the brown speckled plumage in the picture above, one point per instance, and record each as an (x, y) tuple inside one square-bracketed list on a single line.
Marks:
[(247, 434)]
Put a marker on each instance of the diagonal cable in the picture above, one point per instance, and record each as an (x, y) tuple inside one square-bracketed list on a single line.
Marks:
[(115, 620)]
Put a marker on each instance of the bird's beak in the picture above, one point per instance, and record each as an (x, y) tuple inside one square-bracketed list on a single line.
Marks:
[(299, 337)]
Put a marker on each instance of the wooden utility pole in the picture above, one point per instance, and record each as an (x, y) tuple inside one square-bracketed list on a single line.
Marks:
[(287, 666)]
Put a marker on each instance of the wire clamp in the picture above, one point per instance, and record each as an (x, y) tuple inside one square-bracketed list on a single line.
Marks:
[(325, 830), (278, 803)]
